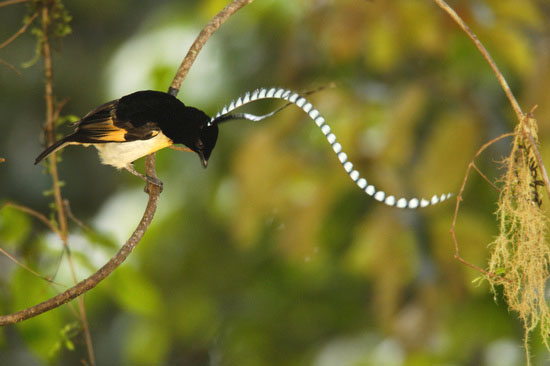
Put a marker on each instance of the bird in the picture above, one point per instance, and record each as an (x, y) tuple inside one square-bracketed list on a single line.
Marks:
[(126, 129)]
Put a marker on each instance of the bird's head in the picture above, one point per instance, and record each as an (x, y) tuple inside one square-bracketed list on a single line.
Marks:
[(197, 135), (206, 141)]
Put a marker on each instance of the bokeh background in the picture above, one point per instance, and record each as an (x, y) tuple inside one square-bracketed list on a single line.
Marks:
[(272, 256)]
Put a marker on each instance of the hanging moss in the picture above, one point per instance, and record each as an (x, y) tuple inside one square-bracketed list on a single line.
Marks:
[(520, 253)]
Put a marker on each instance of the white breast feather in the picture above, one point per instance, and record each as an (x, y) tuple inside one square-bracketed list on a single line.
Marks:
[(121, 154)]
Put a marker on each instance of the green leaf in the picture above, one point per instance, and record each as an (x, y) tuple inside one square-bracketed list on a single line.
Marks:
[(69, 345), (478, 280)]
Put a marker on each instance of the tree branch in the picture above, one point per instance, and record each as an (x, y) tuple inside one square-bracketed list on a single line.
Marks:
[(103, 272), (459, 199), (504, 85), (27, 268), (10, 66), (443, 5), (20, 31), (52, 113), (204, 35), (11, 2)]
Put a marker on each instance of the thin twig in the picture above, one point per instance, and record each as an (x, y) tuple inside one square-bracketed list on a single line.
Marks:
[(485, 178), (51, 112), (40, 217), (459, 199), (58, 107), (11, 2), (19, 32), (73, 217), (24, 266), (443, 5), (515, 106), (34, 213), (50, 124), (10, 66), (199, 42)]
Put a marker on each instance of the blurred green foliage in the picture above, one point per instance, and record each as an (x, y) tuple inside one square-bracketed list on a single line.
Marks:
[(272, 256)]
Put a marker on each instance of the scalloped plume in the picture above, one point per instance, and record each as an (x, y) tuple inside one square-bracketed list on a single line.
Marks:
[(300, 101)]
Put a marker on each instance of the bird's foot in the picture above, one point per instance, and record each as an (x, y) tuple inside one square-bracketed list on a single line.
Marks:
[(154, 181), (149, 180)]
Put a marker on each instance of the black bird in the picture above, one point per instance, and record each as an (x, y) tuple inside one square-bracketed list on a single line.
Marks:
[(126, 129), (138, 124)]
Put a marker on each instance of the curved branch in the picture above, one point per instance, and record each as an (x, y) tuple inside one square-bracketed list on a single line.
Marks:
[(204, 35), (504, 85), (153, 190), (30, 270), (459, 199), (93, 280)]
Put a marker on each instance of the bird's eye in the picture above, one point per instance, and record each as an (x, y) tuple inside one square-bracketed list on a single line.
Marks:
[(200, 144)]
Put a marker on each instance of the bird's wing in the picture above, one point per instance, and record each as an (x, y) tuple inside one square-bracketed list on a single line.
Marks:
[(102, 125)]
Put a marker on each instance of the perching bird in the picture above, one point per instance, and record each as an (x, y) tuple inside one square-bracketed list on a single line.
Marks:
[(138, 124)]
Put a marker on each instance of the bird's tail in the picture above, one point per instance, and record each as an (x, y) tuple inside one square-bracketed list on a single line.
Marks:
[(56, 146)]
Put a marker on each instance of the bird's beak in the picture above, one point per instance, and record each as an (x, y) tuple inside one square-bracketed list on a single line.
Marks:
[(204, 160)]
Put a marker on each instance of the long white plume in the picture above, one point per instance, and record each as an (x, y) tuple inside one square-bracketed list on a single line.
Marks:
[(313, 113)]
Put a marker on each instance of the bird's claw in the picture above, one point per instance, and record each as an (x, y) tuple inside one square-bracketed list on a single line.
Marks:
[(154, 181)]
